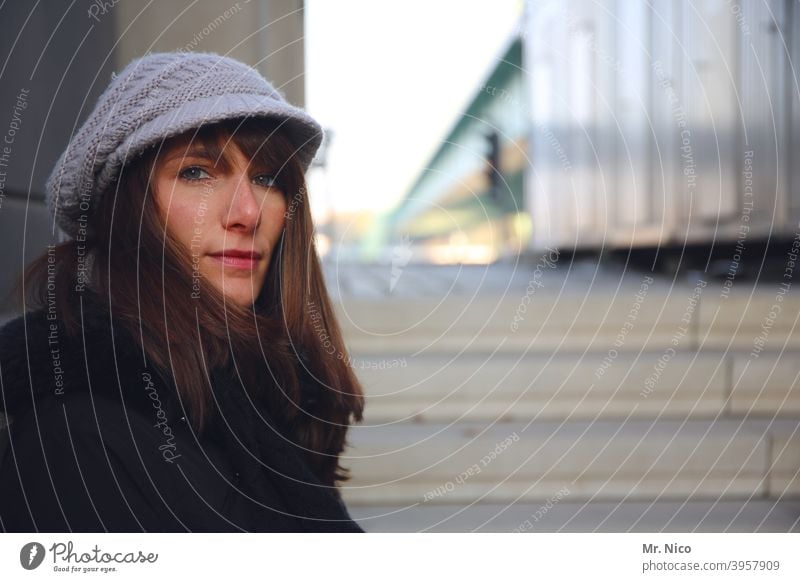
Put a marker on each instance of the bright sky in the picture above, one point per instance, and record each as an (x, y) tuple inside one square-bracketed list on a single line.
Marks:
[(389, 79)]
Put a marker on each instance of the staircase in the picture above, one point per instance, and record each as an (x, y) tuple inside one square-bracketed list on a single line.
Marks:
[(571, 398)]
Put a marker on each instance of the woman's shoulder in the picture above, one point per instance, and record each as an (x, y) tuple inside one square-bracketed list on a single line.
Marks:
[(79, 412), (14, 334), (86, 462), (86, 427), (67, 467), (42, 357)]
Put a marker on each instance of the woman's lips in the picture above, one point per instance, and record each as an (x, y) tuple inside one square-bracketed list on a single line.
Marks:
[(238, 259)]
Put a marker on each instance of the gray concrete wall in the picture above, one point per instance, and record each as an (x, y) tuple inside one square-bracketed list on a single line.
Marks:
[(55, 63), (267, 34)]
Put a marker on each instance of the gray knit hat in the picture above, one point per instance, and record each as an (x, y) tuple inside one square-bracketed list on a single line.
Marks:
[(158, 96)]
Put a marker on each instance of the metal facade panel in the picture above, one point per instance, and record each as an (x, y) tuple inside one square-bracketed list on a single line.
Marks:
[(709, 91), (657, 141), (793, 92), (606, 132), (549, 165), (763, 107), (633, 207), (581, 135), (667, 113)]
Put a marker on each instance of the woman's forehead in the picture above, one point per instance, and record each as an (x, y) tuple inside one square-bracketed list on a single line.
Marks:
[(200, 141), (220, 144), (217, 148)]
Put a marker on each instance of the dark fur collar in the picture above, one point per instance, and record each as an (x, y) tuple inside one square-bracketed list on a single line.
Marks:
[(39, 359)]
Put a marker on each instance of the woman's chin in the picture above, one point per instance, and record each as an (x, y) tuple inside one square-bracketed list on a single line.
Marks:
[(242, 291), (239, 295)]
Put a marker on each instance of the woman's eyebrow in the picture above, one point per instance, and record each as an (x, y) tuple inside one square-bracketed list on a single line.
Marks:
[(197, 151)]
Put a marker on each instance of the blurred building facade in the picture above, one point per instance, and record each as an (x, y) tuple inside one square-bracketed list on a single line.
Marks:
[(462, 207), (620, 124)]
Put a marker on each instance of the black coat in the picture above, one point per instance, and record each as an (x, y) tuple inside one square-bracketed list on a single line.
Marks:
[(98, 443)]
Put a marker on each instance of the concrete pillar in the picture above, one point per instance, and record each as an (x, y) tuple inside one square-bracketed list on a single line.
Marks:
[(267, 34)]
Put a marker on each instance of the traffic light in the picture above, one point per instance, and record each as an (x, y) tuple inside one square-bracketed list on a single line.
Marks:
[(493, 168)]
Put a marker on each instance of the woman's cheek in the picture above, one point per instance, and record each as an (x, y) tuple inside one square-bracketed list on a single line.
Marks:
[(188, 221), (273, 220)]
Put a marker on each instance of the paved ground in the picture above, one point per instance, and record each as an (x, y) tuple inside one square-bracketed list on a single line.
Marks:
[(568, 283), (427, 280), (663, 516)]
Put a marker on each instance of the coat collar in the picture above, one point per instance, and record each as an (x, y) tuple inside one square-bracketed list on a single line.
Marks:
[(39, 360)]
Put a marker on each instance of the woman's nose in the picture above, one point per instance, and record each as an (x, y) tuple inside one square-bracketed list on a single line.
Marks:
[(244, 209)]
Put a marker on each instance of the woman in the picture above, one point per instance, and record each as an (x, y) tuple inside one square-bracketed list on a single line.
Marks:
[(170, 377)]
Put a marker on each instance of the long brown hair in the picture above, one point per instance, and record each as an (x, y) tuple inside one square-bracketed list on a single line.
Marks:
[(145, 276)]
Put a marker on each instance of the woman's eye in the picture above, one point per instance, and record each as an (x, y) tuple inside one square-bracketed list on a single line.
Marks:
[(193, 173), (266, 180)]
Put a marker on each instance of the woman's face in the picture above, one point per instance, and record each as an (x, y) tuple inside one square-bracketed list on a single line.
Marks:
[(230, 221)]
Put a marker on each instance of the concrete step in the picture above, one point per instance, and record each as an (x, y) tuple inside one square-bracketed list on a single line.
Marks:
[(660, 405), (766, 384), (534, 387), (564, 515), (685, 318), (467, 462), (517, 387)]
